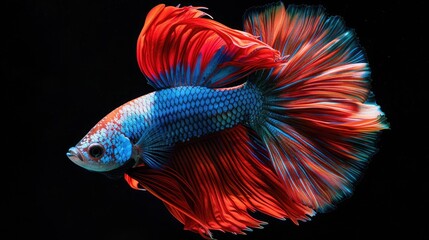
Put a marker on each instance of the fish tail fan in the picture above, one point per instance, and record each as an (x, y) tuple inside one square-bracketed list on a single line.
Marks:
[(215, 183), (319, 121)]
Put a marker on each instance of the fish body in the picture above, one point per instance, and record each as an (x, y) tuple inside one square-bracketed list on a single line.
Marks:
[(288, 142), (175, 114), (182, 113)]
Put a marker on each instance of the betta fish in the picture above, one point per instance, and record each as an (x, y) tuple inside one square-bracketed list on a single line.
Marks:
[(277, 118)]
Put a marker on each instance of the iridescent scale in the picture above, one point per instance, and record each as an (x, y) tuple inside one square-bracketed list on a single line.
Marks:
[(182, 113)]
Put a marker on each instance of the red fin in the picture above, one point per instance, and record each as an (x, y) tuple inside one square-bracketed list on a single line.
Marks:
[(213, 183), (319, 130), (178, 47), (325, 59)]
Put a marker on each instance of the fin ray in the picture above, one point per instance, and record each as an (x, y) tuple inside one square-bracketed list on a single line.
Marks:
[(178, 47), (319, 130), (152, 149), (225, 180)]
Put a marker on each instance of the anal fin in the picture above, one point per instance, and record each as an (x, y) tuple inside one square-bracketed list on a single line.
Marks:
[(213, 183)]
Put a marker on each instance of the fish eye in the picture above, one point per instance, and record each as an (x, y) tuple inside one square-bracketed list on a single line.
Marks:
[(96, 151)]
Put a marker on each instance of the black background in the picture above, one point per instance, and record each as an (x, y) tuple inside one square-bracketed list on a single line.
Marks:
[(72, 62)]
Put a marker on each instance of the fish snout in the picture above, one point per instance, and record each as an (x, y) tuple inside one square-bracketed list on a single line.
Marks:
[(75, 156)]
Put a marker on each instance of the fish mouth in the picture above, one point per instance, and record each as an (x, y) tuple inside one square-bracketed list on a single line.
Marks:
[(75, 156), (78, 158)]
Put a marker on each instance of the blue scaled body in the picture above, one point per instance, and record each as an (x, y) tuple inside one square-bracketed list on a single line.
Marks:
[(181, 113)]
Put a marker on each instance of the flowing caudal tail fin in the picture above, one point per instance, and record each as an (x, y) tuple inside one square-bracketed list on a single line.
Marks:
[(319, 123)]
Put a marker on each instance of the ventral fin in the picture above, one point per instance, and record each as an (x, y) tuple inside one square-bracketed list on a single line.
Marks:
[(178, 47)]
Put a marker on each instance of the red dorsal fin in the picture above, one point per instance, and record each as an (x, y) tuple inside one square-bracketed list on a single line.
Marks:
[(178, 47)]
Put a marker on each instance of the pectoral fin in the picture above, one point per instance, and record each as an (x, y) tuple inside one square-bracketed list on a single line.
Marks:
[(152, 149)]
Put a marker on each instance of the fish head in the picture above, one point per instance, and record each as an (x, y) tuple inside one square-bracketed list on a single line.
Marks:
[(102, 149)]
